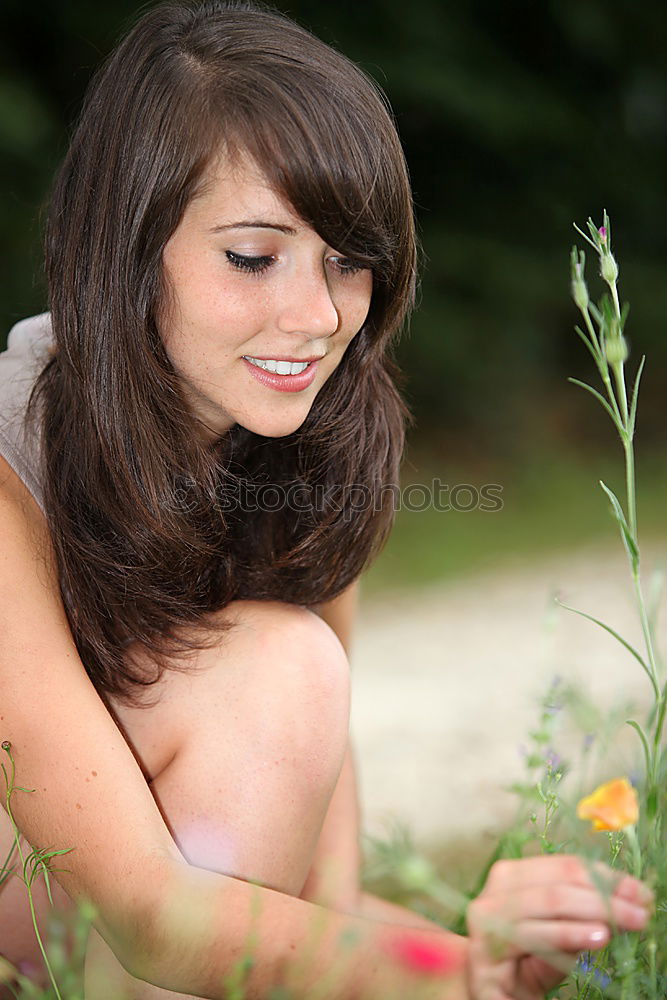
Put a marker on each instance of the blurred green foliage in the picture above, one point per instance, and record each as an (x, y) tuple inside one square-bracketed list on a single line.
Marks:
[(517, 119)]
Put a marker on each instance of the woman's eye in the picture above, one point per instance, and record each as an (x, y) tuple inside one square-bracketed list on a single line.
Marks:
[(254, 265), (347, 266)]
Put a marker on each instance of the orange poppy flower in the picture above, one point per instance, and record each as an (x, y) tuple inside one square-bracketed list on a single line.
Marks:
[(611, 806)]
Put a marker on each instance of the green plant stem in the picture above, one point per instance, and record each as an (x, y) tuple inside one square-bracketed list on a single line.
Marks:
[(614, 295), (646, 629), (643, 616), (604, 371), (630, 482), (623, 396), (26, 882), (627, 435), (653, 969), (635, 851), (657, 735)]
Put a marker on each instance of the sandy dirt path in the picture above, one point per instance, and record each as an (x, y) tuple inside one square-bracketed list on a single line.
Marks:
[(447, 684)]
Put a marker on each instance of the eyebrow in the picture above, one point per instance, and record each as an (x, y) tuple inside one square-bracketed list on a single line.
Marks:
[(255, 224)]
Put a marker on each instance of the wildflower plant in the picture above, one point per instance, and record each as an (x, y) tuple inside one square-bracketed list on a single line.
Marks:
[(621, 821), (633, 966), (625, 817), (64, 966)]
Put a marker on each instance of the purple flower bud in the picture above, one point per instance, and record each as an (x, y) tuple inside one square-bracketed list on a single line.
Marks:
[(603, 233)]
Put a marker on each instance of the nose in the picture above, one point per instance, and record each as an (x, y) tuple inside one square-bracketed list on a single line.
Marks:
[(307, 306)]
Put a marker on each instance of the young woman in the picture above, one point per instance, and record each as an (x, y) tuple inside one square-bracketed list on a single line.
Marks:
[(183, 442)]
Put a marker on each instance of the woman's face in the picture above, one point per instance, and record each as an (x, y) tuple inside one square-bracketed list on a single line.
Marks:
[(251, 283)]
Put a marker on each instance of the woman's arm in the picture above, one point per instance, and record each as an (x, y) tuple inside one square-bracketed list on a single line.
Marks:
[(177, 926), (89, 793)]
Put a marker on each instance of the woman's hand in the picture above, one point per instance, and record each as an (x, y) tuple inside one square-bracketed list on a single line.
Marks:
[(535, 915)]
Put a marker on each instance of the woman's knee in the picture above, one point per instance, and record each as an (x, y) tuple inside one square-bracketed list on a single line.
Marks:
[(285, 644), (265, 723), (287, 667), (276, 674)]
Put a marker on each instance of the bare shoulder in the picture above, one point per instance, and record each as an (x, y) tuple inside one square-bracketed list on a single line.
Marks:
[(341, 613), (88, 791)]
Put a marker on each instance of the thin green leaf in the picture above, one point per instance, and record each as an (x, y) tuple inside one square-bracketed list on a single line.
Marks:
[(642, 736), (600, 398), (616, 636), (624, 314), (7, 868), (635, 391), (626, 534), (53, 854), (592, 347), (48, 885), (595, 313), (587, 238)]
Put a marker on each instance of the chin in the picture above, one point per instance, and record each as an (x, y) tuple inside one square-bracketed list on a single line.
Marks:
[(273, 428)]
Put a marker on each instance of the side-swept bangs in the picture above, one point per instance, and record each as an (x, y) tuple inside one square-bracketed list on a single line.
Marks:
[(323, 138), (188, 82)]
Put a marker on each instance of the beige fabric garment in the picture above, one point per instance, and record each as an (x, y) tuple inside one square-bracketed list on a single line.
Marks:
[(27, 352)]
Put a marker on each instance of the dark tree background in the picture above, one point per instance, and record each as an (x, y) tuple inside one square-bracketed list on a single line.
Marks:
[(518, 118)]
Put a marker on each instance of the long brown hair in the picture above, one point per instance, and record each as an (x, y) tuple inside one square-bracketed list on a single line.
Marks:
[(150, 530)]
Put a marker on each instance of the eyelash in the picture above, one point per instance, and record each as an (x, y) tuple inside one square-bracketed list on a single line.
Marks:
[(257, 265)]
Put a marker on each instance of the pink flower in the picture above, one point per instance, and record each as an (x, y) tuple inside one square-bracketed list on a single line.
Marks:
[(603, 233), (425, 956)]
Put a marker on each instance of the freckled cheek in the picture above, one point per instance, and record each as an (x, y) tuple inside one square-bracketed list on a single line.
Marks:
[(220, 319), (357, 314)]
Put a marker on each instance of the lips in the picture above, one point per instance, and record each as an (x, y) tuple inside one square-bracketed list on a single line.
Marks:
[(283, 383), (276, 357)]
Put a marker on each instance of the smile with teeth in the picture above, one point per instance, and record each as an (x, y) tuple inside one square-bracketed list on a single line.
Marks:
[(279, 367)]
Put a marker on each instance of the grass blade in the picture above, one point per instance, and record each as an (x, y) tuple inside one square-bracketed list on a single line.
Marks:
[(619, 638), (600, 398), (626, 534)]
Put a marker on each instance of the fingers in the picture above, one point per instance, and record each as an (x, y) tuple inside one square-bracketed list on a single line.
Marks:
[(634, 891), (553, 868), (564, 869), (546, 916), (538, 914), (573, 902), (555, 941), (552, 939)]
